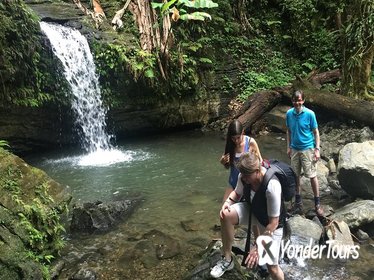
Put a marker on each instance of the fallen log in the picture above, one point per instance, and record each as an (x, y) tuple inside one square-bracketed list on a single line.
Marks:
[(335, 105), (256, 106), (338, 105)]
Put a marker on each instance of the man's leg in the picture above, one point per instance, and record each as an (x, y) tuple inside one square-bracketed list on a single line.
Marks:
[(230, 218), (310, 168), (297, 208), (276, 272), (315, 186), (227, 230)]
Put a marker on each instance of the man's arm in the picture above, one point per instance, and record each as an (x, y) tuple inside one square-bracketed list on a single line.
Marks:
[(272, 225), (317, 153), (316, 138), (288, 137)]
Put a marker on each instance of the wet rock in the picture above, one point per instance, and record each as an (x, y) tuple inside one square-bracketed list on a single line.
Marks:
[(356, 214), (28, 198), (366, 134), (145, 251), (84, 274), (99, 216), (199, 242), (336, 189), (356, 169), (298, 235), (362, 236), (339, 234), (335, 135), (56, 269), (276, 118), (189, 225), (166, 246), (209, 259), (331, 166)]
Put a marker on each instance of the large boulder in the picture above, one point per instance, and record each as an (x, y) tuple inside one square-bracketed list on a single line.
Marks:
[(356, 214), (356, 169), (100, 216), (31, 204)]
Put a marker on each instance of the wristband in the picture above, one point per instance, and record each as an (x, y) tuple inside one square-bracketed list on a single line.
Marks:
[(317, 149), (268, 232), (231, 199)]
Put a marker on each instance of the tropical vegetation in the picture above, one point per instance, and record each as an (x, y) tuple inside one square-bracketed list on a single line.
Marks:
[(175, 44)]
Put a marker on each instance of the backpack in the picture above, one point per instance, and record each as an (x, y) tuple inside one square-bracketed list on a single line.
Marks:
[(285, 175)]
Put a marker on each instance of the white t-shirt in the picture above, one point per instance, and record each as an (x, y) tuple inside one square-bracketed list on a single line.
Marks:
[(273, 195)]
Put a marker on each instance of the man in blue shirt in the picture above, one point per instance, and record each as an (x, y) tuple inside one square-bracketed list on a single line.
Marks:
[(303, 147)]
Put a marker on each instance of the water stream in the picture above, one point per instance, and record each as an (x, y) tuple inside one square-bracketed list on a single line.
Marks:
[(180, 179)]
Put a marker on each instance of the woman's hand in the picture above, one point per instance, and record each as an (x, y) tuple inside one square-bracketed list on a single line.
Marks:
[(252, 259), (225, 160)]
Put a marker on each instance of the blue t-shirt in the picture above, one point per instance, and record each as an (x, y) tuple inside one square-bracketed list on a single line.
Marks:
[(301, 128)]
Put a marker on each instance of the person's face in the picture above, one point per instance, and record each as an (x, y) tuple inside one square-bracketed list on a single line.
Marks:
[(237, 139), (298, 102), (252, 178)]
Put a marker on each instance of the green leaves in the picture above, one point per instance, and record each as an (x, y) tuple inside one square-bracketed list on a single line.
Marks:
[(196, 16), (3, 144), (179, 9)]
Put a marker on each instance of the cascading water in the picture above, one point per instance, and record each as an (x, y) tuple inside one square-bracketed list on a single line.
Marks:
[(72, 48)]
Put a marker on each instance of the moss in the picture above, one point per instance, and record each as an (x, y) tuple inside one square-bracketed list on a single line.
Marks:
[(31, 208)]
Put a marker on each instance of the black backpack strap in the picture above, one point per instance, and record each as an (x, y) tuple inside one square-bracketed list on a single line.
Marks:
[(248, 240)]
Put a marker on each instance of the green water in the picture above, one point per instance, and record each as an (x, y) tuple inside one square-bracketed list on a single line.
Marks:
[(180, 179)]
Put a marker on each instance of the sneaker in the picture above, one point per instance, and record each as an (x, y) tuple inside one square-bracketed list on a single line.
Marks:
[(296, 208), (319, 211), (221, 267)]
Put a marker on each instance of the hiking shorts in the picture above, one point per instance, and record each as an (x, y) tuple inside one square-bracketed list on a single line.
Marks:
[(304, 160), (242, 209)]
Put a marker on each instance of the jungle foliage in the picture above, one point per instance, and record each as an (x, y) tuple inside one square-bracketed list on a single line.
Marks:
[(280, 39), (269, 42), (27, 77)]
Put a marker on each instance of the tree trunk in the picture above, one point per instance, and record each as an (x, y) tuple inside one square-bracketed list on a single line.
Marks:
[(256, 106), (152, 38), (339, 105), (240, 12), (117, 19)]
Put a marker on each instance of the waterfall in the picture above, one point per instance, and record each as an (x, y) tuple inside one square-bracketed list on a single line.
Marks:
[(71, 47)]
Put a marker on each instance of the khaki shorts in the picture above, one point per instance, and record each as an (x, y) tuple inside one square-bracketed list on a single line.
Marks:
[(304, 160)]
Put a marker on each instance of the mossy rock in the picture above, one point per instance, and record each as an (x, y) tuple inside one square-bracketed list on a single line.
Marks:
[(31, 205)]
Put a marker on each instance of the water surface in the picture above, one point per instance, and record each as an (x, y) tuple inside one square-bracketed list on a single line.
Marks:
[(180, 179)]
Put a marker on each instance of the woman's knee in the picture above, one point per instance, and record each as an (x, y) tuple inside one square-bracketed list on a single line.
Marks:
[(230, 216)]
